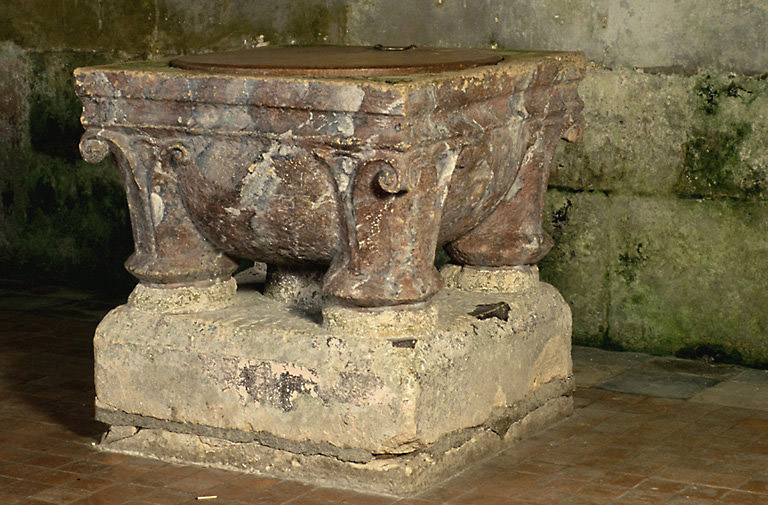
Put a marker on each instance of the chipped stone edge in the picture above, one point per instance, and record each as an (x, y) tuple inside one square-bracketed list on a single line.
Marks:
[(183, 299), (490, 279), (385, 322)]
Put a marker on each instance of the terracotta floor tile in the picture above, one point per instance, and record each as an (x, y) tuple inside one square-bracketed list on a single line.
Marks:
[(539, 496), (52, 477), (579, 473), (679, 474), (475, 498), (83, 467), (9, 499), (168, 497), (743, 498), (310, 500), (555, 483), (756, 486), (333, 494), (537, 467), (198, 483), (227, 492), (265, 497), (48, 460), (497, 487), (600, 463), (641, 497), (290, 487), (114, 495), (253, 481), (23, 487), (752, 424), (60, 495), (89, 483), (689, 500), (603, 491), (731, 481), (577, 499), (702, 491), (443, 494), (413, 501), (619, 479), (371, 499), (661, 485)]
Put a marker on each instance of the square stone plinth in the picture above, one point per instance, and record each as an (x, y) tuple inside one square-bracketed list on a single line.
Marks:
[(261, 387)]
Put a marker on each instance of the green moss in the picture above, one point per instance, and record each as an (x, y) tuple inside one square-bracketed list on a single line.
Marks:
[(725, 155), (65, 222), (61, 219), (713, 166)]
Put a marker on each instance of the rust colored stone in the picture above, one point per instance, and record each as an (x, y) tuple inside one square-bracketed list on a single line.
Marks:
[(364, 176)]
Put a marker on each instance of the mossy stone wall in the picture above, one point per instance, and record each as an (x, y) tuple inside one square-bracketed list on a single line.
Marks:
[(659, 215)]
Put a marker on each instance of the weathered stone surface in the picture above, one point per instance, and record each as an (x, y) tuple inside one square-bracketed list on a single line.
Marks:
[(635, 127), (183, 299), (14, 103), (272, 386), (669, 135), (169, 26), (400, 475), (688, 273), (726, 154), (363, 176), (61, 219), (484, 279), (633, 33), (662, 275), (580, 224)]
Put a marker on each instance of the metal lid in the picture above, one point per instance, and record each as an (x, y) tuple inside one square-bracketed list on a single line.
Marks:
[(338, 61)]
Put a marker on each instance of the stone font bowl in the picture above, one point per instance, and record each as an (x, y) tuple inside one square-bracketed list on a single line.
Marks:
[(360, 161)]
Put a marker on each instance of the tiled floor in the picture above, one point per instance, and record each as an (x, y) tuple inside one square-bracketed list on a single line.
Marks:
[(646, 431)]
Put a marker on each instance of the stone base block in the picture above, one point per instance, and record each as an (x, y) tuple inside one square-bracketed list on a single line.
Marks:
[(262, 387)]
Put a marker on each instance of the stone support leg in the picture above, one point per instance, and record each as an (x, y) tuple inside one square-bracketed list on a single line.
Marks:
[(512, 234), (391, 216), (169, 250)]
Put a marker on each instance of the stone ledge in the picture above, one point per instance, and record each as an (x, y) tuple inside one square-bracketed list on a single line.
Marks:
[(400, 475), (512, 422)]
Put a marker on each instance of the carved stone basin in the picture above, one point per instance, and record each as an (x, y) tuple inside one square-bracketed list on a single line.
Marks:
[(354, 165), (360, 161)]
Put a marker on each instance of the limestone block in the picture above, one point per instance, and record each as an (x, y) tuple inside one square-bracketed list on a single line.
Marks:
[(634, 127), (262, 386), (631, 33), (689, 273), (580, 224)]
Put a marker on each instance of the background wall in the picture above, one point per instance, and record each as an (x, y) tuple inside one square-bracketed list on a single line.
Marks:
[(659, 215)]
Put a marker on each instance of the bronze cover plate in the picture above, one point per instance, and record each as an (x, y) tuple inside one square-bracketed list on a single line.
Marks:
[(338, 61)]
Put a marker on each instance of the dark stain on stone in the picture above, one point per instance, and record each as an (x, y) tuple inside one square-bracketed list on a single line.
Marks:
[(630, 261), (500, 424), (499, 310), (711, 353), (353, 387), (277, 390), (406, 343), (560, 217), (711, 92)]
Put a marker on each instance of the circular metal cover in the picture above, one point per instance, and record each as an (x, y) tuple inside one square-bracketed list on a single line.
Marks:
[(338, 61)]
